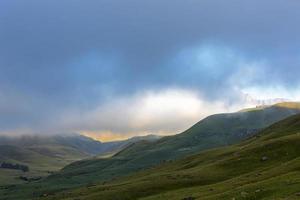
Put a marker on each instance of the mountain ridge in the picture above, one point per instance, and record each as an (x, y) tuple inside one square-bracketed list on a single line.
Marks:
[(265, 166), (215, 131)]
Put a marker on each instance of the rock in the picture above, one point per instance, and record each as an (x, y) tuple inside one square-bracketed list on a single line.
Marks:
[(264, 158), (258, 190)]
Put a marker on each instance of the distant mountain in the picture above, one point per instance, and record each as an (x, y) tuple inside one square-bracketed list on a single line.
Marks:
[(38, 143), (45, 154), (111, 148)]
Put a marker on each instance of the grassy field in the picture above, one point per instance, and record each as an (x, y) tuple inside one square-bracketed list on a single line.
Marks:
[(266, 166), (10, 176), (43, 156), (39, 163)]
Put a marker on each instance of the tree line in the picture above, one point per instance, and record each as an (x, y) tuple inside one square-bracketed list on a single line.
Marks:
[(6, 165)]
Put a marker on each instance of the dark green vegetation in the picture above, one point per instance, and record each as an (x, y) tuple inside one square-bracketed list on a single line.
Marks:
[(6, 165), (255, 168), (45, 154)]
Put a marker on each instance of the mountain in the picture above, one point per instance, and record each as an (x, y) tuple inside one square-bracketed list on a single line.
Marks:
[(265, 166), (111, 148), (212, 132), (45, 154)]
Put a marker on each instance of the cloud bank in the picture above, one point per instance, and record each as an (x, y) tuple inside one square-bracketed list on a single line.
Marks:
[(130, 67)]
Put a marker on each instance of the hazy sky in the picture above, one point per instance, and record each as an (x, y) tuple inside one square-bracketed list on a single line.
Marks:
[(116, 68)]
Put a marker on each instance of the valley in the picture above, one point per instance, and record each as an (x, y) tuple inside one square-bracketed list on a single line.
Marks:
[(149, 100), (45, 155)]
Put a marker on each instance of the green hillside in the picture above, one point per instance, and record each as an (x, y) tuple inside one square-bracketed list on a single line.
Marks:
[(213, 131), (266, 166), (203, 169)]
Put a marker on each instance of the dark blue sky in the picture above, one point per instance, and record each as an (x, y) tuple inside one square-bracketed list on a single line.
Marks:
[(61, 60)]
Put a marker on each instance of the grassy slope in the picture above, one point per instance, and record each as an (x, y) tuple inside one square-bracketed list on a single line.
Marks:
[(44, 154), (214, 131), (230, 172), (171, 176), (40, 159)]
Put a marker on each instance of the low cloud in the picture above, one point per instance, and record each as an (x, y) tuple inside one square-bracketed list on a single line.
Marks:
[(162, 112), (146, 67)]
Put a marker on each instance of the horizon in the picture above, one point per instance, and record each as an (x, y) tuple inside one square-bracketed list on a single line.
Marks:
[(112, 137), (120, 69)]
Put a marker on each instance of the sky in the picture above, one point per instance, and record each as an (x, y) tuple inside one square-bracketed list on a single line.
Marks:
[(118, 68)]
